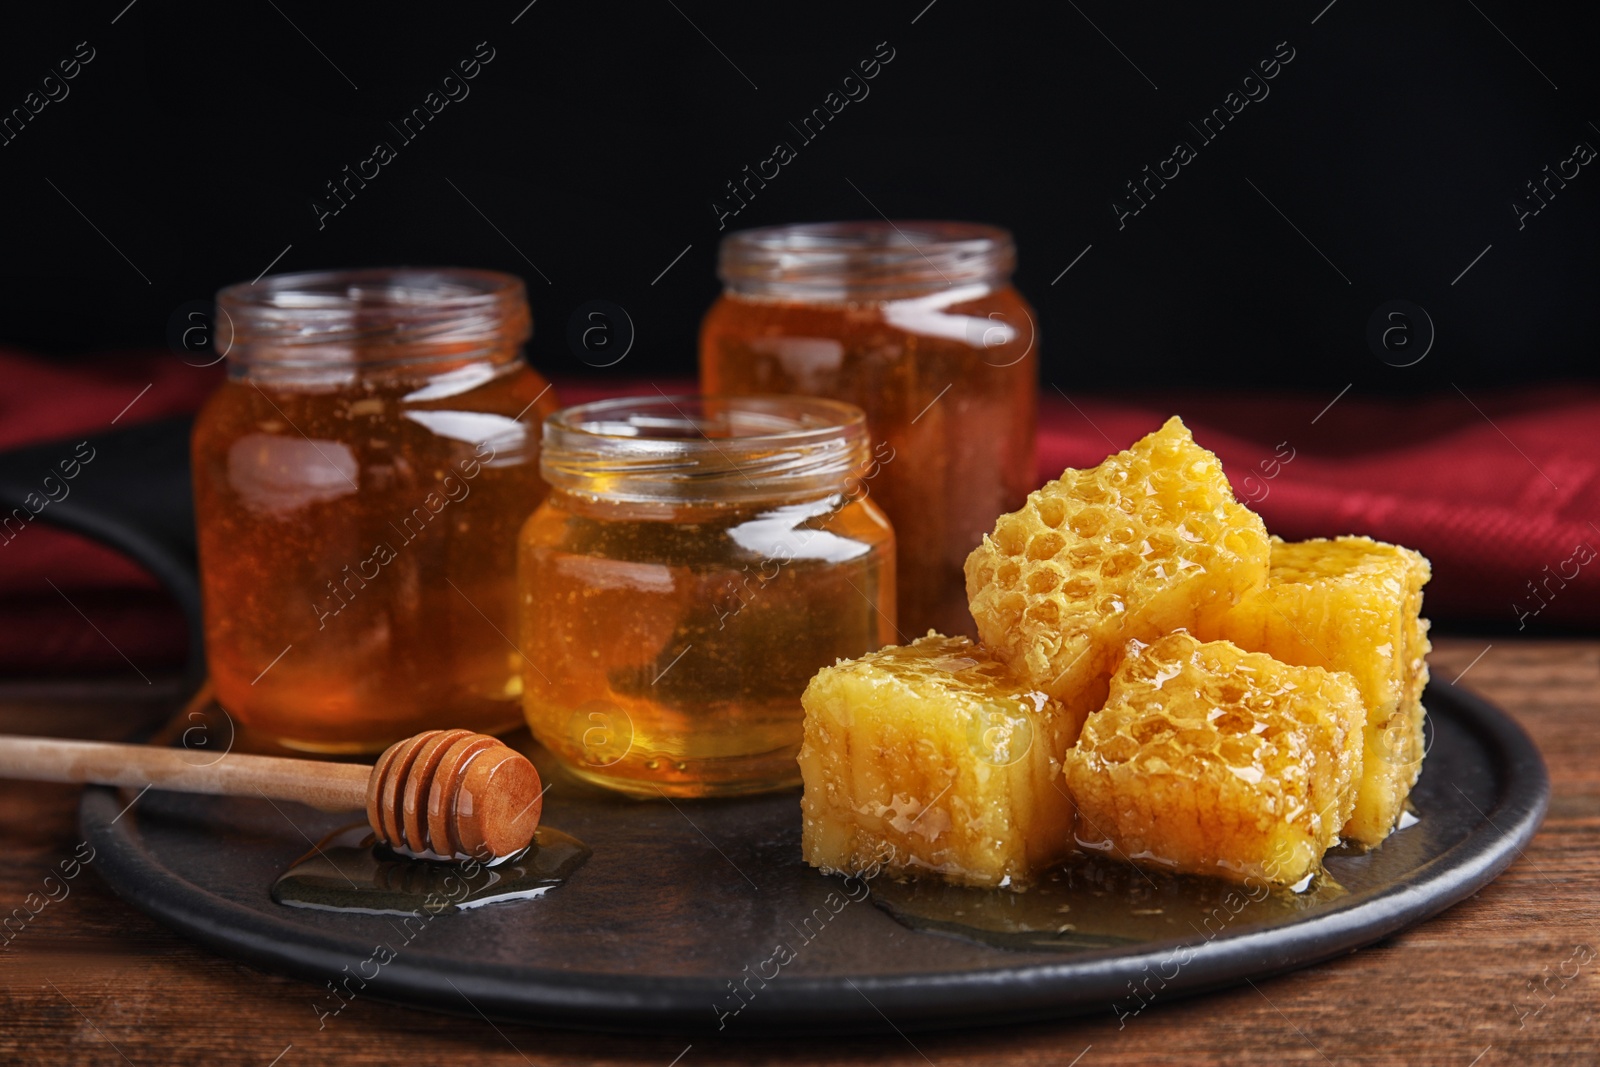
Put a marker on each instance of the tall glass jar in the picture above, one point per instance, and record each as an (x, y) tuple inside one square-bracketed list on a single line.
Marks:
[(359, 483), (916, 323), (696, 562)]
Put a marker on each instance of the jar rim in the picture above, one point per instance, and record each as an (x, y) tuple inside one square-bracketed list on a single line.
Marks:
[(872, 259), (373, 315), (703, 448), (453, 287)]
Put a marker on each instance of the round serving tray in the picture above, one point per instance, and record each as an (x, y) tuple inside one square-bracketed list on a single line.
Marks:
[(682, 902)]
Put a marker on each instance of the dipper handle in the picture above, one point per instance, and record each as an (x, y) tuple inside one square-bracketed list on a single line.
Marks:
[(328, 786), (443, 793)]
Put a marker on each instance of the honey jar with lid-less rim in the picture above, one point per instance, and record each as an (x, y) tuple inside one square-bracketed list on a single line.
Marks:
[(359, 481), (918, 324), (698, 559)]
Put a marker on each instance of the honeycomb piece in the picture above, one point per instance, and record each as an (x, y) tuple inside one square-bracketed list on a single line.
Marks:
[(1211, 760), (1148, 542), (930, 757), (1353, 605)]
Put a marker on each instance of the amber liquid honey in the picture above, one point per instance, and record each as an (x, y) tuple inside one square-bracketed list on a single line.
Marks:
[(668, 647), (357, 543), (951, 390)]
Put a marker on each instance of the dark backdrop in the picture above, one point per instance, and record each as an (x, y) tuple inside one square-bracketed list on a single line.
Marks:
[(1383, 161)]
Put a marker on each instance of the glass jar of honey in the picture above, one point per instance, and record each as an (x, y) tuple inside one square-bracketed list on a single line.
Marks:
[(696, 562), (359, 483), (916, 323)]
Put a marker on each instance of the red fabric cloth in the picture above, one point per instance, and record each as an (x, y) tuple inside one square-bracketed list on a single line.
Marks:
[(41, 630), (41, 401), (1499, 490)]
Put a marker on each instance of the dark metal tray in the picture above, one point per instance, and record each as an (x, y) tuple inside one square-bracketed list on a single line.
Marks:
[(654, 932)]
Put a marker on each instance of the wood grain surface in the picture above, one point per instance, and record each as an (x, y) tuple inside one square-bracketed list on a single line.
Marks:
[(1511, 975)]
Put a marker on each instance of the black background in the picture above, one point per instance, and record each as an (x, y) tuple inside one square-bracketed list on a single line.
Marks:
[(595, 142)]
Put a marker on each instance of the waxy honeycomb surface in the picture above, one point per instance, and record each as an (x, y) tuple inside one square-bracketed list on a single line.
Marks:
[(1211, 760), (1354, 605), (930, 757), (1148, 542)]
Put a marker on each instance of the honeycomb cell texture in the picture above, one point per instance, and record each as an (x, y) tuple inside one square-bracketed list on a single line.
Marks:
[(1210, 760), (932, 758), (1148, 542), (1351, 604)]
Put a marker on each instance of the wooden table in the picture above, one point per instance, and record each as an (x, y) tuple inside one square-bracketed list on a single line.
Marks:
[(1511, 975)]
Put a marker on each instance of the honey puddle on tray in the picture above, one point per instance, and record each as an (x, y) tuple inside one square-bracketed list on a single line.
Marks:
[(349, 871), (1094, 902)]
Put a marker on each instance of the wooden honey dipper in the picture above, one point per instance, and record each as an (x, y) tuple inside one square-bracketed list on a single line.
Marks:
[(443, 794)]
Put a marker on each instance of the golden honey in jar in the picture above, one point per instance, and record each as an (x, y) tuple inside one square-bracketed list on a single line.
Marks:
[(918, 324), (359, 483), (696, 562)]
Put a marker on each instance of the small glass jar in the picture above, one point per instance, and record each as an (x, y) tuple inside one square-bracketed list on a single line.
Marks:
[(359, 483), (696, 562), (916, 323)]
